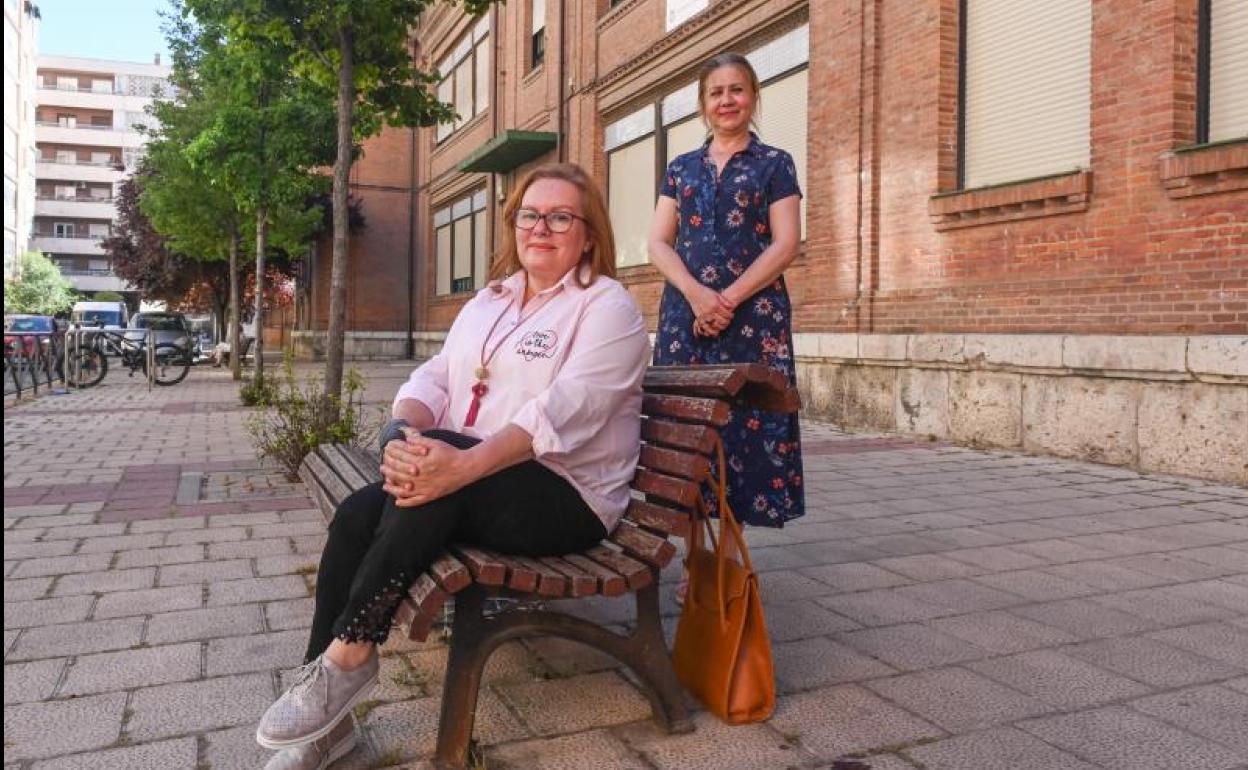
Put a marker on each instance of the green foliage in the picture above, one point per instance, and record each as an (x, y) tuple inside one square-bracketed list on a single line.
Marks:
[(298, 418), (107, 296), (261, 393), (40, 288)]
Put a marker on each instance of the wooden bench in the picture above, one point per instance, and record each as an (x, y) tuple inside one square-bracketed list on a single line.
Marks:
[(683, 409)]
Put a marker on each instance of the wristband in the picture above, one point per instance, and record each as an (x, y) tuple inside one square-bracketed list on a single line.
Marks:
[(393, 431)]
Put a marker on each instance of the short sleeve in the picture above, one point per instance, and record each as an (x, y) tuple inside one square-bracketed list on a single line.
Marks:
[(668, 188), (783, 181)]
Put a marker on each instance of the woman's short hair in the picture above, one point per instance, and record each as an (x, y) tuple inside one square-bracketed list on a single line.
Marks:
[(727, 59), (601, 256)]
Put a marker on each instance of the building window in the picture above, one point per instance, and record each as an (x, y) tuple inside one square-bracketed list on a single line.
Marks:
[(537, 39), (1222, 71), (460, 244), (63, 229), (1025, 90), (466, 80), (640, 145)]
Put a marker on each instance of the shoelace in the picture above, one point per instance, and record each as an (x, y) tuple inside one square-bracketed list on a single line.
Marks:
[(309, 674)]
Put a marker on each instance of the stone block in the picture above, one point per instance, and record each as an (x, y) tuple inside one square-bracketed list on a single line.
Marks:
[(1195, 429), (833, 721), (237, 747), (177, 753), (61, 565), (1041, 351), (291, 613), (1218, 641), (912, 646), (127, 669), (28, 588), (818, 662), (260, 652), (1081, 417), (579, 703), (711, 746), (922, 401), (204, 572), (257, 590), (77, 639), (958, 700), (985, 408), (1001, 632), (168, 627), (1125, 353), (838, 345), (34, 730), (945, 348), (998, 747), (882, 347), (176, 709), (1224, 355), (409, 729), (869, 397), (42, 612), (1058, 679), (820, 394), (1151, 662), (105, 582), (145, 602), (29, 682)]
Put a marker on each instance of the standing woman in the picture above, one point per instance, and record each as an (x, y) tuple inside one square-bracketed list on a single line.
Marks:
[(725, 228)]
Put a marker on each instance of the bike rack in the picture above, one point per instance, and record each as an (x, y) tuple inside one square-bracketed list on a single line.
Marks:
[(18, 363), (73, 344)]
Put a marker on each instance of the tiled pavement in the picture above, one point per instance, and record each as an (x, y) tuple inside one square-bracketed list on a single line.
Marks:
[(938, 608)]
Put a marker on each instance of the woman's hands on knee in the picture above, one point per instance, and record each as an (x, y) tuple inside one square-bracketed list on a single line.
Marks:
[(399, 467), (439, 470)]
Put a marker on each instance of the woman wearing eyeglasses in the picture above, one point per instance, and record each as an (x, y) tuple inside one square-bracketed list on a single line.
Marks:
[(725, 227), (521, 436)]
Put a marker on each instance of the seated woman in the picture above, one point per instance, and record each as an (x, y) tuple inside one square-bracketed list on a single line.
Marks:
[(521, 435)]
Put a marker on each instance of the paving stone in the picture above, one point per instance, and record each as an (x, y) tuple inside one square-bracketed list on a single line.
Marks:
[(855, 576), (912, 646), (1105, 576), (1118, 738), (204, 572), (77, 638), (127, 669), (79, 531), (292, 613), (997, 558), (1216, 713), (147, 601), (1239, 685), (286, 564), (61, 565), (819, 662), (244, 520), (206, 704), (566, 657), (1058, 679), (961, 595), (997, 747), (1001, 632), (1037, 585), (958, 700), (257, 590), (847, 718), (43, 612), (152, 557), (169, 627), (711, 746), (237, 747), (122, 543), (409, 729), (22, 511), (798, 620), (38, 550), (26, 589), (1085, 619), (309, 544), (250, 549), (289, 529), (29, 682), (1171, 567), (926, 567), (259, 652), (788, 585), (207, 535), (104, 582), (1162, 607), (579, 703), (883, 607), (170, 524), (35, 730), (570, 752), (1152, 662), (1220, 592), (165, 755), (1218, 641)]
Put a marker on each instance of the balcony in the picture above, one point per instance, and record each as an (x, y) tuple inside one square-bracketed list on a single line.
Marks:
[(82, 245), (103, 281), (86, 135), (80, 208), (79, 171), (93, 100)]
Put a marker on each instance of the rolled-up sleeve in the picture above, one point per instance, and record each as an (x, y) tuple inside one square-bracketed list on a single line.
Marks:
[(601, 375), (428, 385)]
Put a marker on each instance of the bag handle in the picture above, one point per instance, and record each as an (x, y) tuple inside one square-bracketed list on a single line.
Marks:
[(730, 534)]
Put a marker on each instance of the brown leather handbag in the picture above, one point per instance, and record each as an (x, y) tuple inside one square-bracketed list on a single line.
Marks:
[(722, 653)]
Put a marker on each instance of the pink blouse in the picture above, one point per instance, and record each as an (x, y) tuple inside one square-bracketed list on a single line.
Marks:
[(567, 370)]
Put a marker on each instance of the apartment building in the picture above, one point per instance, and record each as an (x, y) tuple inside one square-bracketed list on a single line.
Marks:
[(21, 29), (87, 140), (1024, 225)]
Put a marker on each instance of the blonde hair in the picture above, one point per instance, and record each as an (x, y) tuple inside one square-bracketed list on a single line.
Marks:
[(728, 59), (601, 255)]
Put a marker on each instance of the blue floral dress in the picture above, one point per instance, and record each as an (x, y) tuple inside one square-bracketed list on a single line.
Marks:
[(723, 226)]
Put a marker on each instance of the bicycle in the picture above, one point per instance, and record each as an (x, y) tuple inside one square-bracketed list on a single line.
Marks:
[(88, 364)]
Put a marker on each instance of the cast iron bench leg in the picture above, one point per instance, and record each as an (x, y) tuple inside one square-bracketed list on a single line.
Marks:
[(464, 666)]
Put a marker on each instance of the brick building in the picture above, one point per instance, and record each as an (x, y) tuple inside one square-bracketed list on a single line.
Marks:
[(1025, 225)]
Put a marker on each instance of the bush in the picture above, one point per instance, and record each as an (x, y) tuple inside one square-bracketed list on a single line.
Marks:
[(298, 417), (263, 393)]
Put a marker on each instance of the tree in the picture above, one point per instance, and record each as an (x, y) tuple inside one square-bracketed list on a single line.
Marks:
[(359, 48), (40, 288)]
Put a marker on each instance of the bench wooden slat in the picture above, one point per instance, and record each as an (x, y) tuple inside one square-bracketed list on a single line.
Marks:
[(519, 577), (680, 491), (419, 611), (698, 438), (658, 518), (703, 410), (580, 582), (610, 582), (636, 574), (335, 489), (637, 542), (367, 463), (484, 569), (313, 483), (338, 461), (674, 462), (723, 380), (450, 573), (550, 581)]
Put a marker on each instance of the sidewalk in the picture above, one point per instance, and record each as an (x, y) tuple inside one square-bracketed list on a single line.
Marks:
[(938, 607)]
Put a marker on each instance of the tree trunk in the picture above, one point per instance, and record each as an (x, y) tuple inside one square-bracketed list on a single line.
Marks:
[(236, 361), (336, 342), (262, 245)]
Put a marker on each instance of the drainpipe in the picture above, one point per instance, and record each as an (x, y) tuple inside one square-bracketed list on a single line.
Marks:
[(560, 144), (409, 349)]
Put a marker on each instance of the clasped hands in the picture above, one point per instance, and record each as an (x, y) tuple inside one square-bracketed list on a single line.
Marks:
[(712, 312), (421, 469)]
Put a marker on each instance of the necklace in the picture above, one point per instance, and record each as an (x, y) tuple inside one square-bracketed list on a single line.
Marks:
[(479, 389)]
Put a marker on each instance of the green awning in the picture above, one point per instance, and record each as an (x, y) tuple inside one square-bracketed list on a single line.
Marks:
[(508, 150)]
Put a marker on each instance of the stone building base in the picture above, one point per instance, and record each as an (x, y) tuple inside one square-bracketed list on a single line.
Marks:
[(1157, 404), (367, 346)]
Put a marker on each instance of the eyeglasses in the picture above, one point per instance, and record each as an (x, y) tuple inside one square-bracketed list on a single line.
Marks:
[(556, 221)]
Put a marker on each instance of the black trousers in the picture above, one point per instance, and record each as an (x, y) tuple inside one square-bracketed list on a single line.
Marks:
[(377, 549)]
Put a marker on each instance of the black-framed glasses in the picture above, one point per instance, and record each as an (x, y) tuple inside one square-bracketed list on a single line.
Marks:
[(556, 221)]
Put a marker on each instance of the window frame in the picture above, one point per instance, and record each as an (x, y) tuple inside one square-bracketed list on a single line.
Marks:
[(468, 201), (449, 66)]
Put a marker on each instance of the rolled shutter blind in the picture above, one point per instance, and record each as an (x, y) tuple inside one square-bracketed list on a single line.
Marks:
[(1027, 89), (631, 200), (782, 123), (1228, 70)]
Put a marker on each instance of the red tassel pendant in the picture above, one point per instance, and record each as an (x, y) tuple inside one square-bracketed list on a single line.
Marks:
[(478, 391)]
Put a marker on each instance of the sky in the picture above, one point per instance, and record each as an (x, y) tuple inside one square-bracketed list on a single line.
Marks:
[(126, 30)]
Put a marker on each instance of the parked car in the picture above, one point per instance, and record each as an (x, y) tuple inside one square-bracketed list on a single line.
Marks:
[(171, 328), (103, 315), (16, 326)]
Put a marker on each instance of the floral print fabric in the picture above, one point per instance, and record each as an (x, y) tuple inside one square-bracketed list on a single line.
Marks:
[(723, 225)]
